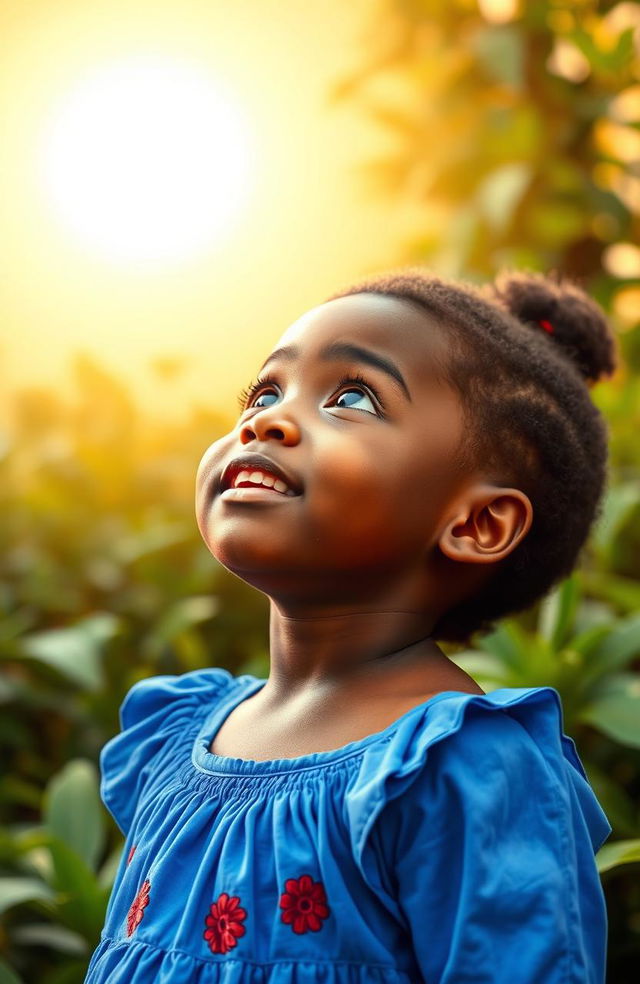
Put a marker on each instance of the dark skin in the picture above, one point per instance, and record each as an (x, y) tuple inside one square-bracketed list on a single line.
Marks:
[(379, 532)]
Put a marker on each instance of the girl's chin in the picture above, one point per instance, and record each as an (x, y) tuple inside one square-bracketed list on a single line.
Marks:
[(256, 566)]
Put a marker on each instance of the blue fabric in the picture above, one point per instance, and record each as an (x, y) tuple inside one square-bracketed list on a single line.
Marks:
[(455, 846)]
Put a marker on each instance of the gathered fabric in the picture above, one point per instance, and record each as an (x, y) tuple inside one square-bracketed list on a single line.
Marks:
[(455, 846)]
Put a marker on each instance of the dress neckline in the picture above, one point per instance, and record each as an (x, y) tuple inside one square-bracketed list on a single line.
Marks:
[(246, 686)]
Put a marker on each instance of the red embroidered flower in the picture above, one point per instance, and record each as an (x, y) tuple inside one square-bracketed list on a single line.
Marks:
[(224, 924), (136, 912), (131, 853), (304, 904)]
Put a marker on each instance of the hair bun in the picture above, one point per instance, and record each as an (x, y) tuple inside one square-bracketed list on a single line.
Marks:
[(566, 314)]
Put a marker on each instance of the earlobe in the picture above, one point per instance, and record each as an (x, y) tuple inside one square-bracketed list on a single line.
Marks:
[(487, 527)]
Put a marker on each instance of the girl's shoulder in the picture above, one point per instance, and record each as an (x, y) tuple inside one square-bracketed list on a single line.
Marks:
[(458, 728), (172, 695), (470, 752), (477, 817), (158, 719)]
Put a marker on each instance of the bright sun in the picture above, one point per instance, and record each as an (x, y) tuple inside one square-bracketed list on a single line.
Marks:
[(147, 161)]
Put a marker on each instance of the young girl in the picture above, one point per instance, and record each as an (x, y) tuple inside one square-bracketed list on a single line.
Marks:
[(415, 460)]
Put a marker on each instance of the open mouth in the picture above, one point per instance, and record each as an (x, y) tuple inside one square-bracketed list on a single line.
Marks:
[(258, 479), (244, 474)]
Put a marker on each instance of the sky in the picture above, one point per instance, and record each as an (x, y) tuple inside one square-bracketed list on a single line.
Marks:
[(301, 219)]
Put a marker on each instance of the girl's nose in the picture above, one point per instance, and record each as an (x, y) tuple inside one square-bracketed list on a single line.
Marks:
[(270, 424)]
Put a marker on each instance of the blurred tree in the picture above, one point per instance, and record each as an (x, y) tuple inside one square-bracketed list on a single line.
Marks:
[(518, 132)]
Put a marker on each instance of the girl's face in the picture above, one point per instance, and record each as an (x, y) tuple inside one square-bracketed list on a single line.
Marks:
[(350, 421)]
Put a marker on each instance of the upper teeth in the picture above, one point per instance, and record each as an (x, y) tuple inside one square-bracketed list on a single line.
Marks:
[(262, 478)]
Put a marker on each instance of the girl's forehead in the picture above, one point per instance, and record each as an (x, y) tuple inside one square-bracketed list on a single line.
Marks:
[(396, 326)]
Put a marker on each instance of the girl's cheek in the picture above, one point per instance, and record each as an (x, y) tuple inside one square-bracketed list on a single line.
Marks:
[(208, 460)]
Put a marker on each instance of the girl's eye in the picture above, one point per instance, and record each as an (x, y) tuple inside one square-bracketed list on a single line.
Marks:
[(265, 399), (355, 399), (261, 393), (353, 394)]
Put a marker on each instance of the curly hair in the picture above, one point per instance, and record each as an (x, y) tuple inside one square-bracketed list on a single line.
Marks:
[(522, 354)]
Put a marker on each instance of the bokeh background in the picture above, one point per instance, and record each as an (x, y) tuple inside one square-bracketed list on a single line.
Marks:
[(180, 181)]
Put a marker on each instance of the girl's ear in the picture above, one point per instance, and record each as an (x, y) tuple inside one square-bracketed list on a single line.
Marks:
[(488, 524)]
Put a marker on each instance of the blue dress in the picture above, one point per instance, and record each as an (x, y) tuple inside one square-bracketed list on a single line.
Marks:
[(455, 846)]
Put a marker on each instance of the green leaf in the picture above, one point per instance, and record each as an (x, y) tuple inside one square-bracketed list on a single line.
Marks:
[(557, 612), (606, 60), (74, 651), (592, 614), (613, 799), (621, 852), (623, 592), (82, 903), (15, 624), (73, 811), (178, 619), (155, 538), (15, 891), (7, 975), (54, 937), (588, 642), (618, 647), (485, 669), (506, 643), (527, 658), (620, 502), (616, 709)]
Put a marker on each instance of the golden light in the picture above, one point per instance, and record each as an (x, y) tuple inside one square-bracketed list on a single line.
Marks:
[(625, 108), (147, 161), (622, 260), (499, 11), (567, 61), (622, 143), (626, 306)]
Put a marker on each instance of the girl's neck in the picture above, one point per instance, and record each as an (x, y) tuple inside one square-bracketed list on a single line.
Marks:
[(337, 677), (330, 651)]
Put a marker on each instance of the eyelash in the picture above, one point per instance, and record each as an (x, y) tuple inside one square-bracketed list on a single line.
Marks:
[(251, 391)]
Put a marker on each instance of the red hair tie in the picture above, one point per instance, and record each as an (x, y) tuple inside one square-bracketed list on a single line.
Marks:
[(547, 326)]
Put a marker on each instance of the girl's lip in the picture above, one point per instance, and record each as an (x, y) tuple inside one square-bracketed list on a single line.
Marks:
[(256, 462), (255, 494)]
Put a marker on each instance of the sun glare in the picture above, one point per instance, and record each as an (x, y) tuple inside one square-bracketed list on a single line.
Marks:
[(147, 161)]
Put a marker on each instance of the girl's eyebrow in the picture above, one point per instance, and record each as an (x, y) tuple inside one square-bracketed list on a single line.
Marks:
[(347, 350)]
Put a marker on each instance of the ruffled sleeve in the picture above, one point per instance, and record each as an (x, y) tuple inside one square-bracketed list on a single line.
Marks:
[(154, 715), (477, 828)]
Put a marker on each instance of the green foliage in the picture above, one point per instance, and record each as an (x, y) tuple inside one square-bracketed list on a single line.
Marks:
[(14, 891), (623, 852), (507, 124), (7, 975), (57, 875), (73, 812), (73, 651), (585, 651)]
